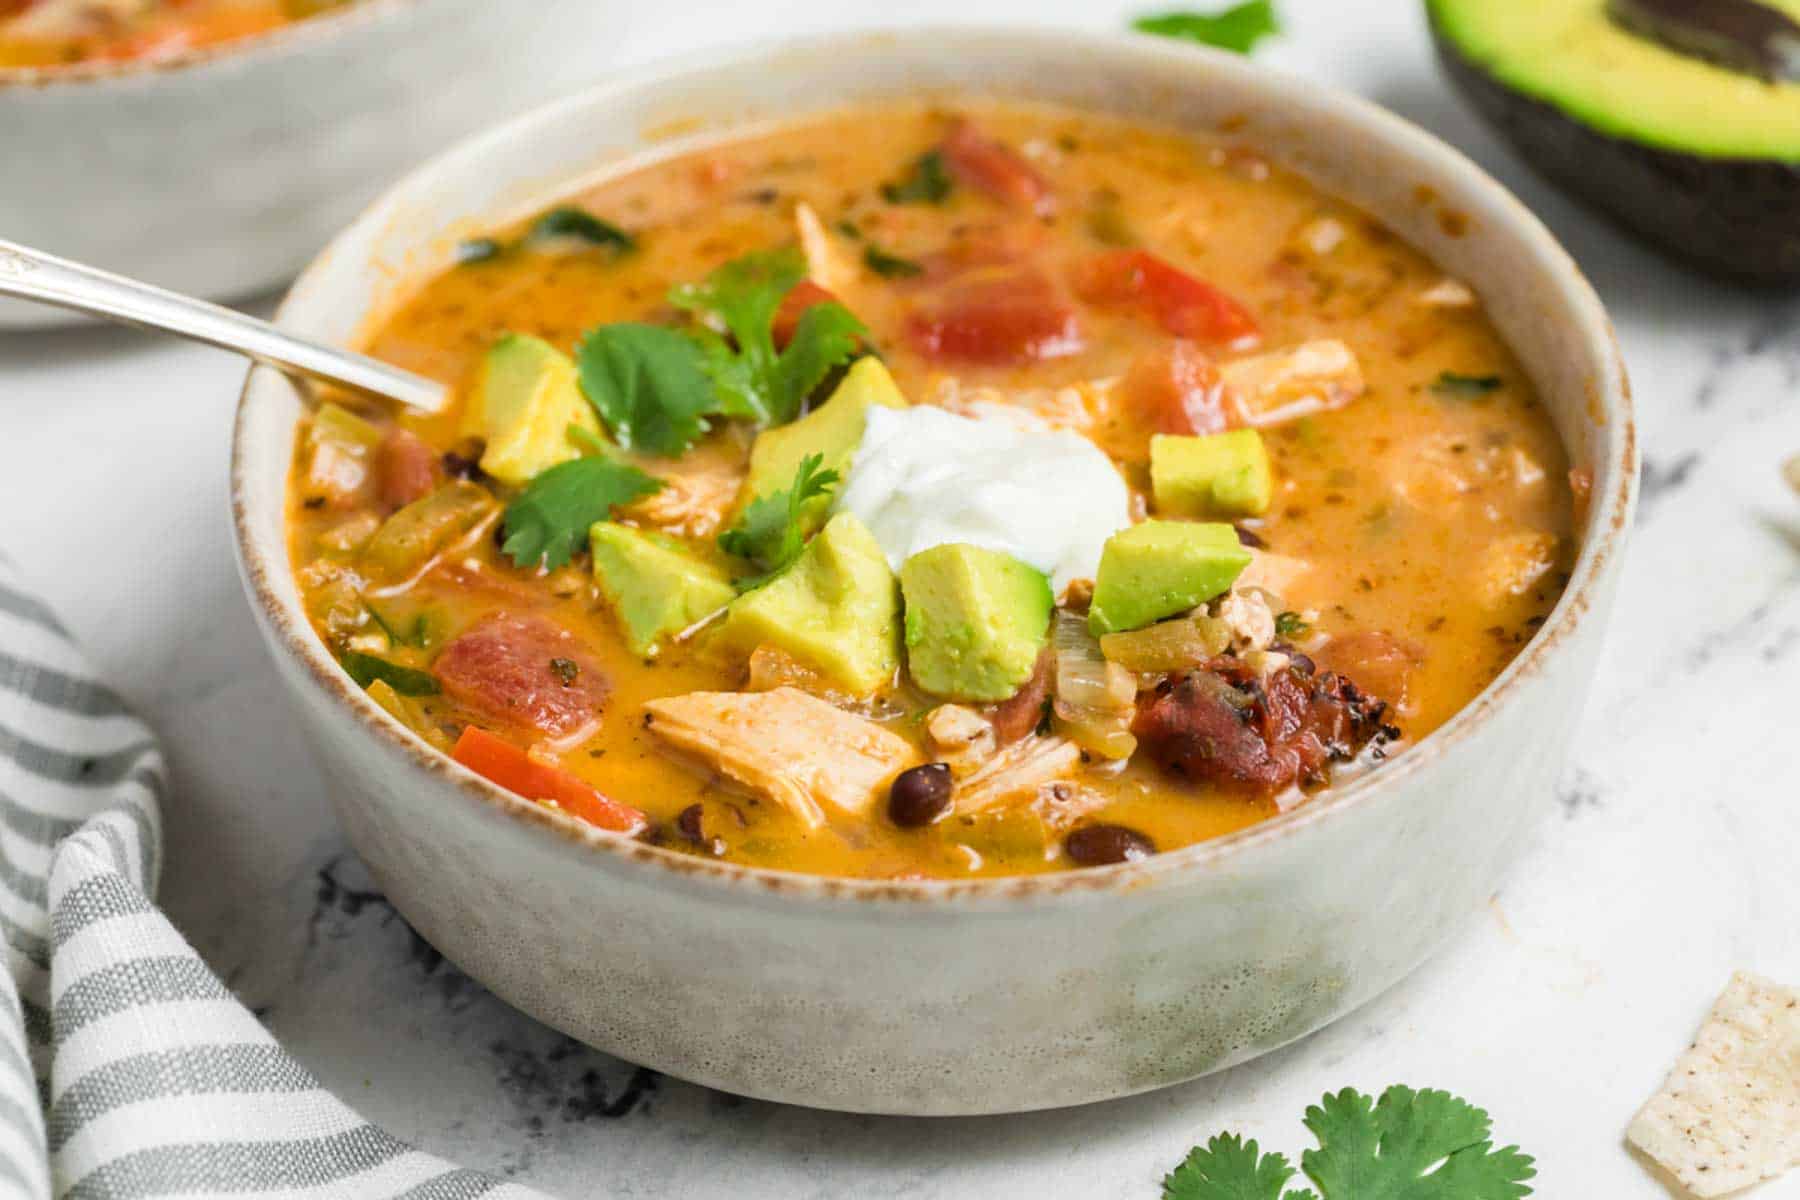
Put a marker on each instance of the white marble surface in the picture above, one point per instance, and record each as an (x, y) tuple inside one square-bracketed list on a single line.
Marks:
[(1671, 859)]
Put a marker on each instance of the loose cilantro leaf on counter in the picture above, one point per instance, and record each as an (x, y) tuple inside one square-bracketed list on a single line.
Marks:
[(769, 533), (1237, 29), (754, 380), (649, 385), (889, 266), (928, 182), (1410, 1145), (1465, 387), (550, 519), (367, 668), (582, 226)]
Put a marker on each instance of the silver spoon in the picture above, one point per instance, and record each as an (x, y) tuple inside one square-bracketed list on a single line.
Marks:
[(33, 275)]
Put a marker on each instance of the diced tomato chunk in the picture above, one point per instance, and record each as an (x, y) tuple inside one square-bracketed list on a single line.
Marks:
[(1181, 304), (1381, 663), (1016, 317), (501, 762), (525, 671), (980, 162), (804, 295), (1178, 391), (407, 466)]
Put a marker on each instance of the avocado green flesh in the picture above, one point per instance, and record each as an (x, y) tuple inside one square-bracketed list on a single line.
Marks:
[(976, 621), (1572, 55), (1156, 569), (656, 587)]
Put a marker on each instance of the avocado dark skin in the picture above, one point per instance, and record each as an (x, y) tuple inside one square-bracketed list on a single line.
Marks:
[(1738, 218)]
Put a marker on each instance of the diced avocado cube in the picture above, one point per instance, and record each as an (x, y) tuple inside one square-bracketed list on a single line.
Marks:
[(975, 621), (1159, 568), (836, 609), (656, 587), (1218, 475), (832, 431), (525, 397)]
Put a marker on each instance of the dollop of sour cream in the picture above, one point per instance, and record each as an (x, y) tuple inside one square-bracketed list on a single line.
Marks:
[(923, 477)]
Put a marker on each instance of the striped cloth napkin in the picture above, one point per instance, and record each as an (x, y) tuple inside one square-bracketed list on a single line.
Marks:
[(126, 1068)]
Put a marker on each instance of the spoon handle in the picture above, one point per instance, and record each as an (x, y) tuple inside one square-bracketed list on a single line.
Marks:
[(33, 275)]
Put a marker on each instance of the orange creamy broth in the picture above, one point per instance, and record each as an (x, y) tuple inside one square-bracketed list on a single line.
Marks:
[(1415, 512), (49, 33)]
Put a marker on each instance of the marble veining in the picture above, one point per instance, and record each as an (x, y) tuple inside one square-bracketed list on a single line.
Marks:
[(1668, 860)]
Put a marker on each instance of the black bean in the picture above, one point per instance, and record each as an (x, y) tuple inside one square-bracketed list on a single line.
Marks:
[(1098, 845), (1250, 538), (689, 823), (919, 796)]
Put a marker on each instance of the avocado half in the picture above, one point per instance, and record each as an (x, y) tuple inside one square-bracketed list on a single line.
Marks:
[(1681, 118)]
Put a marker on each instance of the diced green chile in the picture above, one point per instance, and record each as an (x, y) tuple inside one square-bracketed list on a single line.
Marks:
[(412, 537)]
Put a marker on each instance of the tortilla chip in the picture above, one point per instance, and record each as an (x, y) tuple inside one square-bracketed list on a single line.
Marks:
[(1729, 1114)]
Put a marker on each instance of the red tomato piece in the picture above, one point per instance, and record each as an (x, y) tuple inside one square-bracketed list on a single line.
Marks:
[(526, 671), (980, 162), (1178, 391), (1380, 663), (1181, 304), (407, 467), (804, 295), (501, 762), (1018, 317)]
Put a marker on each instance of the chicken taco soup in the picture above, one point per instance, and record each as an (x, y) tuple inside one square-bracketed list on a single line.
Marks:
[(932, 492)]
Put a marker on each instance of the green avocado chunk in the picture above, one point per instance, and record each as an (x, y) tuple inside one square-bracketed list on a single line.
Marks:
[(525, 397), (655, 585), (1217, 475), (836, 609), (832, 431), (1159, 568), (1675, 116), (975, 621)]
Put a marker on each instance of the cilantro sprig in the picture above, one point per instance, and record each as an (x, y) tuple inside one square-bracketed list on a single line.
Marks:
[(1236, 29), (927, 181), (550, 519), (753, 380), (649, 385), (1424, 1145), (771, 533)]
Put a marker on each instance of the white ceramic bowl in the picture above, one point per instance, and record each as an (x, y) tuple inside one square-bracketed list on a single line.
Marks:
[(219, 172), (962, 997)]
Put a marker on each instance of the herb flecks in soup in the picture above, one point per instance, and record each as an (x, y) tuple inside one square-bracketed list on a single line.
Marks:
[(917, 494), (50, 33)]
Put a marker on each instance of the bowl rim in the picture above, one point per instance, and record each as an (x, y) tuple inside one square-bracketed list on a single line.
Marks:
[(1614, 462), (320, 27)]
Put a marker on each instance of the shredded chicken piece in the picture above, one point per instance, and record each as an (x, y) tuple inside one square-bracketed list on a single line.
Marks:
[(698, 492), (1062, 804), (1448, 293), (1512, 565), (828, 264), (1078, 407), (796, 749), (1287, 384), (1016, 772), (1250, 618), (962, 737)]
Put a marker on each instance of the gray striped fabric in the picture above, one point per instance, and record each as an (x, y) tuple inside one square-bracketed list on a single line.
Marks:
[(126, 1068)]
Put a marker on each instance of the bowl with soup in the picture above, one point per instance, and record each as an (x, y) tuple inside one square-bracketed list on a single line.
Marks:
[(966, 571), (210, 146)]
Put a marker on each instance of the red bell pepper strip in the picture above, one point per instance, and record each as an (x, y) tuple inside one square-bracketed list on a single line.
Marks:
[(501, 762)]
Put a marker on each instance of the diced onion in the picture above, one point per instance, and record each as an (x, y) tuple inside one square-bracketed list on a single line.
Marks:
[(1095, 699)]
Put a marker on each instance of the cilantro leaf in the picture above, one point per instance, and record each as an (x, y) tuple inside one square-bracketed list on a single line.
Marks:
[(754, 381), (1426, 1145), (1230, 1169), (1394, 1148), (367, 668), (889, 266), (582, 226), (770, 533), (926, 182), (550, 519), (1465, 387), (648, 384), (1237, 29)]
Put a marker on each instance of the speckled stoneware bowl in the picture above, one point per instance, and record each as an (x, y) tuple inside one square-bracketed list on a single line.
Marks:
[(219, 172), (966, 997)]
